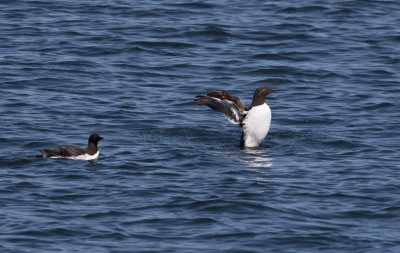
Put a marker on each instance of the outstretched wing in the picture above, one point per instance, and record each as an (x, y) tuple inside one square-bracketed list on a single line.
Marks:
[(232, 107), (225, 96)]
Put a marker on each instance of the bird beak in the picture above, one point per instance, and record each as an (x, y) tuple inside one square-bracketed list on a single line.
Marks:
[(101, 138), (274, 90)]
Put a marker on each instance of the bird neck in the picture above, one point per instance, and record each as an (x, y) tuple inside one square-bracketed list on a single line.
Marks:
[(92, 148), (257, 100)]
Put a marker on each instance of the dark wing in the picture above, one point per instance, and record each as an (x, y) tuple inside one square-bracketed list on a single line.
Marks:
[(63, 151), (232, 107), (225, 96)]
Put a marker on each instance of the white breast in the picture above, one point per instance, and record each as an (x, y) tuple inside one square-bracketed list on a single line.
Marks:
[(85, 157), (256, 125)]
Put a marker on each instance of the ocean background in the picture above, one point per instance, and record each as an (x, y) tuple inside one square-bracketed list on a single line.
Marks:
[(171, 176)]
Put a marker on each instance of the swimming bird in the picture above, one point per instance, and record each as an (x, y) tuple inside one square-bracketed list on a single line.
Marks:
[(91, 152), (254, 121)]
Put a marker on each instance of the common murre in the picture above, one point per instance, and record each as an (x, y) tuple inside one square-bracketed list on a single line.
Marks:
[(91, 152), (254, 121)]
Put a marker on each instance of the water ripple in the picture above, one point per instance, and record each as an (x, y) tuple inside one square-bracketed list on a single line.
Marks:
[(171, 176)]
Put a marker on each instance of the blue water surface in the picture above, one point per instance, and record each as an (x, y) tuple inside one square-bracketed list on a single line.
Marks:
[(171, 176)]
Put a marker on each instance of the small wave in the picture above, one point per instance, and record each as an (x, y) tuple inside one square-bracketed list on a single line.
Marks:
[(213, 31), (194, 5), (381, 105), (165, 44), (304, 9), (105, 214)]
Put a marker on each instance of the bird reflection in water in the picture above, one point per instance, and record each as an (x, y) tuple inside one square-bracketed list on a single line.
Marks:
[(257, 158)]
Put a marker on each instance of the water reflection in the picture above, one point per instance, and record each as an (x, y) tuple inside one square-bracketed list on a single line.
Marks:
[(256, 158)]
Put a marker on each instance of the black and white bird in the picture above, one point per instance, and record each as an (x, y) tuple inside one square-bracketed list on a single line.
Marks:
[(91, 152), (254, 121)]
